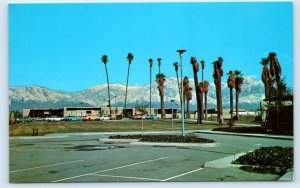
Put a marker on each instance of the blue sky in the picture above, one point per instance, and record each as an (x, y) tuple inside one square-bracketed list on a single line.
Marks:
[(59, 46)]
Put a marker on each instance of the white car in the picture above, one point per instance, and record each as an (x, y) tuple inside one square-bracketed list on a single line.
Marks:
[(104, 117), (54, 119)]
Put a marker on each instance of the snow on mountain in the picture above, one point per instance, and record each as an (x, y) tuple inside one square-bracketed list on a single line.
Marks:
[(36, 96)]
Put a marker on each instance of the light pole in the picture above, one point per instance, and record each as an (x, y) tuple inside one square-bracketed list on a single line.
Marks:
[(116, 107), (182, 106), (172, 100)]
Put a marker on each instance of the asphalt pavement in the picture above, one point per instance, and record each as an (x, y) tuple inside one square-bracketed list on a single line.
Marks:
[(91, 157)]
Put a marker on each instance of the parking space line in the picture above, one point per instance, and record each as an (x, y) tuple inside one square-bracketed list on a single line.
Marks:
[(183, 174), (45, 166), (17, 149), (127, 177), (110, 169)]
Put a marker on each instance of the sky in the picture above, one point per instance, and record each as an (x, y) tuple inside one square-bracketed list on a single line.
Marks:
[(59, 46)]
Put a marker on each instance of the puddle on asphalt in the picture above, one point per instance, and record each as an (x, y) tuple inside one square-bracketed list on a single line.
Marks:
[(93, 147)]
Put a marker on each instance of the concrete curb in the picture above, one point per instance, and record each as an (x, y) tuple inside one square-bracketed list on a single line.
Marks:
[(289, 176), (224, 162), (246, 134), (137, 143)]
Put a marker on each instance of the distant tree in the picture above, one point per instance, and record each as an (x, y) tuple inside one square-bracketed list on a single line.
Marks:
[(104, 60), (130, 59), (238, 76), (231, 85), (142, 108), (160, 79)]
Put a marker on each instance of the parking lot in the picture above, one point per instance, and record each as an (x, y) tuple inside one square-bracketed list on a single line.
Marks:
[(87, 158)]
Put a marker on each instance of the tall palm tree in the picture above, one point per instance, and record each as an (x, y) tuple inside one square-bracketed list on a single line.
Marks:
[(179, 89), (198, 96), (238, 76), (159, 64), (217, 74), (266, 78), (160, 79), (151, 63), (205, 91), (130, 59), (104, 60), (231, 85), (275, 68), (186, 89)]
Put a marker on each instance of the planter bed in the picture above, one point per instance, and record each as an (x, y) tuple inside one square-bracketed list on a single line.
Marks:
[(164, 138)]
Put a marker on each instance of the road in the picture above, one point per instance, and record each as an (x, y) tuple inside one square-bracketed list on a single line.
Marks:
[(86, 158)]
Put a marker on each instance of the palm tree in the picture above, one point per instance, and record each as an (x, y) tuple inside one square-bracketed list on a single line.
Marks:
[(198, 95), (275, 68), (151, 63), (186, 89), (129, 58), (160, 79), (231, 84), (159, 63), (217, 74), (176, 70), (238, 76), (205, 91), (104, 60), (266, 77)]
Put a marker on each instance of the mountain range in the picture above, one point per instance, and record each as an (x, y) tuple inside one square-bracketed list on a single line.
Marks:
[(42, 97)]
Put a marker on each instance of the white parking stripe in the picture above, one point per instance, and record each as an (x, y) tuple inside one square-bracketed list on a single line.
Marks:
[(182, 174), (127, 177), (110, 169), (44, 166)]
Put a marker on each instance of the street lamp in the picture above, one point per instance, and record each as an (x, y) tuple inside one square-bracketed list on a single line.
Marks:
[(182, 106), (172, 100)]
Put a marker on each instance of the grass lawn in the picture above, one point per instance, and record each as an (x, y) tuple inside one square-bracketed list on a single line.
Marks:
[(26, 129)]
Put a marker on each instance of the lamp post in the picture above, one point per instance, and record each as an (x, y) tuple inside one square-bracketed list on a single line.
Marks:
[(182, 105), (172, 100)]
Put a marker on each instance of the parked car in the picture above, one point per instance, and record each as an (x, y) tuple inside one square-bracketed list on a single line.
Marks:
[(136, 116), (72, 118), (104, 117), (49, 119), (90, 118), (25, 119), (151, 116)]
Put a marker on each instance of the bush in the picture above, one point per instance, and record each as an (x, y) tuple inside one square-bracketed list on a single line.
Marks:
[(277, 160)]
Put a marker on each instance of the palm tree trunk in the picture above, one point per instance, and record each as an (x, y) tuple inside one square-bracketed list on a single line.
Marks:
[(205, 105), (178, 88), (108, 93), (231, 103), (126, 90), (237, 104), (188, 109), (219, 100), (162, 107), (198, 97)]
